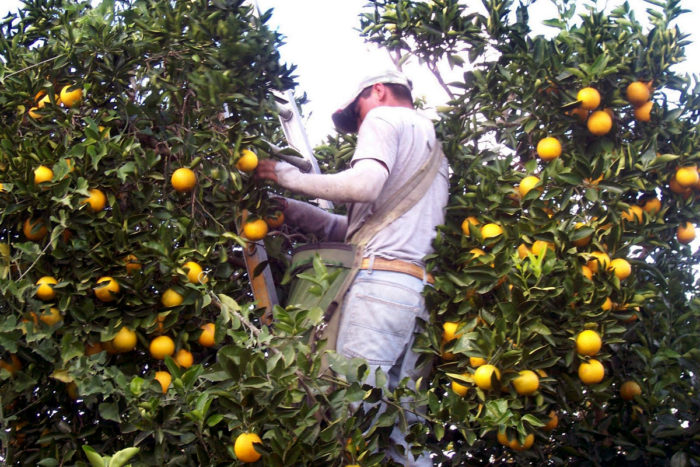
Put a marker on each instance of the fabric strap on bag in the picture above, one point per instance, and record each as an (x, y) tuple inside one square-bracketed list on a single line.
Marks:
[(386, 213)]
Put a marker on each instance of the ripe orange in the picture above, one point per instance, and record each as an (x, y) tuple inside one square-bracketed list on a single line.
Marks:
[(583, 241), (183, 180), (553, 421), (206, 338), (132, 264), (42, 174), (45, 291), (171, 298), (245, 449), (466, 222), (184, 358), (161, 347), (71, 97), (194, 273), (527, 444), (490, 231), (607, 304), (652, 206), (106, 289), (589, 97), (587, 273), (164, 378), (643, 112), (50, 316), (12, 366), (92, 348), (248, 161), (599, 123), (591, 372), (598, 258), (459, 388), (637, 93), (526, 383), (621, 267), (629, 390), (449, 331), (527, 184), (34, 114), (125, 340), (685, 233), (275, 220), (255, 230), (588, 342), (676, 187), (580, 113), (96, 201), (482, 376), (523, 251), (476, 362), (540, 247), (687, 176), (548, 148), (34, 229), (634, 214)]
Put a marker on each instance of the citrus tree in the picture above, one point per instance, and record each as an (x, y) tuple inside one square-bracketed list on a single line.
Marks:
[(565, 310)]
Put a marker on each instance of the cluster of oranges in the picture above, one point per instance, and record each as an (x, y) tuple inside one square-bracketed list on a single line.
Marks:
[(68, 97)]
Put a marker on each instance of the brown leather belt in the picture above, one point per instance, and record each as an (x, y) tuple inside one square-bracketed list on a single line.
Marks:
[(396, 265)]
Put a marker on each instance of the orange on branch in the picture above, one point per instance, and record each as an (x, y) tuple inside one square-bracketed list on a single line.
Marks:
[(589, 97), (549, 148), (107, 289), (591, 372), (183, 180), (244, 447), (599, 123)]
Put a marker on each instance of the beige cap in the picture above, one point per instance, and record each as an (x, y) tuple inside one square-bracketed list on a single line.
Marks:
[(344, 118)]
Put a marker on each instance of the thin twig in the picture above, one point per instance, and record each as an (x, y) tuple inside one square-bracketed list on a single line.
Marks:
[(34, 65)]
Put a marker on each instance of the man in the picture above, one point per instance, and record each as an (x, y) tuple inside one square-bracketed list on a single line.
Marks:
[(383, 307)]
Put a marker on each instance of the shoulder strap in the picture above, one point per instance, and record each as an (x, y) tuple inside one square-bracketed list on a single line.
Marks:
[(402, 200)]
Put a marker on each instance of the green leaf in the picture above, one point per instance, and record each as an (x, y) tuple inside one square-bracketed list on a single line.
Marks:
[(93, 457)]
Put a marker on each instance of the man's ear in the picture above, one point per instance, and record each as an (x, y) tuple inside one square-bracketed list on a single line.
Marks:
[(381, 91)]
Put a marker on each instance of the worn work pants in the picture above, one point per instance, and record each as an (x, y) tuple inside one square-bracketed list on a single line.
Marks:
[(379, 322)]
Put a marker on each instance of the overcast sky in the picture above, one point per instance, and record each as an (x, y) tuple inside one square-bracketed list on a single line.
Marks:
[(322, 40)]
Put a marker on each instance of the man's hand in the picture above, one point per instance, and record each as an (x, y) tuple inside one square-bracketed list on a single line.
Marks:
[(266, 170)]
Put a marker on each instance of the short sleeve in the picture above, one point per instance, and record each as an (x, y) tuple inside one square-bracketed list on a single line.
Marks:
[(377, 139)]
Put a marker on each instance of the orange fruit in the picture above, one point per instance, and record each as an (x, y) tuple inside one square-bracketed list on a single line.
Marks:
[(482, 376), (45, 292), (164, 378), (96, 201), (643, 112), (607, 304), (685, 233), (132, 264), (459, 388), (687, 176), (194, 273), (621, 267), (476, 362), (161, 347), (579, 112), (587, 273), (637, 93), (50, 316), (449, 331), (548, 148), (42, 174), (255, 230), (124, 341), (523, 251), (583, 241), (207, 337), (526, 383), (92, 348), (490, 231), (553, 421), (527, 184), (248, 161), (634, 214), (652, 206), (12, 366), (183, 180), (71, 96), (540, 247), (171, 298), (34, 229), (599, 123), (598, 258), (244, 447), (591, 372), (588, 342), (471, 220), (629, 390), (527, 444), (184, 358), (589, 97), (106, 289), (275, 220), (34, 114)]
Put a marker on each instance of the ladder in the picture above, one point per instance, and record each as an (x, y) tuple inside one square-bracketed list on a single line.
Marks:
[(254, 254)]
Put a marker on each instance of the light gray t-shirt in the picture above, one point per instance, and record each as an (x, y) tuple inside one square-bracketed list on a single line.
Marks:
[(401, 139)]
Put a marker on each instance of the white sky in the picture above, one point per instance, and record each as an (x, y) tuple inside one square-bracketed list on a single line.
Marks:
[(322, 40)]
